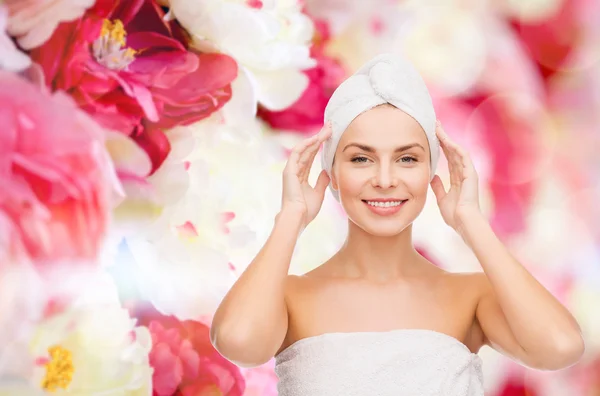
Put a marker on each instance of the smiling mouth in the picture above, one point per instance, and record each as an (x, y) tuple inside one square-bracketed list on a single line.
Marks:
[(384, 204)]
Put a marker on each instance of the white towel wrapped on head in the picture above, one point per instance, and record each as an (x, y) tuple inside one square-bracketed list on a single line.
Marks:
[(387, 78)]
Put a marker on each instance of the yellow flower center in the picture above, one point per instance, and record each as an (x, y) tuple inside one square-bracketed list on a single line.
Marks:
[(115, 31), (109, 49), (212, 390), (59, 370)]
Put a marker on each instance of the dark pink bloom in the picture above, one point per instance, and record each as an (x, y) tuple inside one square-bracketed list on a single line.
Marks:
[(55, 174), (515, 152), (134, 72), (306, 114), (551, 40), (515, 385), (184, 361), (172, 358), (511, 146)]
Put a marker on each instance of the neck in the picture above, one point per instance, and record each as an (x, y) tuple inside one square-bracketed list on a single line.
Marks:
[(377, 258)]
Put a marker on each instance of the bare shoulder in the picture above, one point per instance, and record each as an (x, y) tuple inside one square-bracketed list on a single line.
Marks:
[(464, 288), (471, 287), (302, 294), (300, 287), (475, 282), (479, 283), (299, 283)]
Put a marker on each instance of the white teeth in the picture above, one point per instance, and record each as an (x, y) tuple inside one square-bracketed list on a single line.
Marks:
[(384, 204)]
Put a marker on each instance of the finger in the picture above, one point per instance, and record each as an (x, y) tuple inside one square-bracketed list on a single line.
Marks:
[(452, 165), (292, 162), (306, 161), (463, 162), (468, 167), (456, 169), (326, 131), (322, 183), (438, 188), (453, 153), (449, 145), (445, 141)]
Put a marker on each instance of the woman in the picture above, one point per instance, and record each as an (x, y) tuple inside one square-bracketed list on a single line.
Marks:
[(377, 318)]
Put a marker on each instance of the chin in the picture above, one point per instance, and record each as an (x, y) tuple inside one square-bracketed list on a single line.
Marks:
[(384, 230), (382, 225)]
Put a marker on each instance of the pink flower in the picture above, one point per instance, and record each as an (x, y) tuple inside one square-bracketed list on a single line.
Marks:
[(552, 40), (306, 114), (134, 73), (510, 166), (184, 361), (261, 380), (172, 358), (55, 175), (32, 22), (585, 376)]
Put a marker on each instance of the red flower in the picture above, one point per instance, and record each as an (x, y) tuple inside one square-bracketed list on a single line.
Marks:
[(185, 362), (515, 386), (307, 113), (134, 72)]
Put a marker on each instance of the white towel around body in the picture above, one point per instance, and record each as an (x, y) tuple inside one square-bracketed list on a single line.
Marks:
[(404, 362)]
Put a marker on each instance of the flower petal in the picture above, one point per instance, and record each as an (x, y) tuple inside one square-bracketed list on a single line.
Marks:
[(279, 90)]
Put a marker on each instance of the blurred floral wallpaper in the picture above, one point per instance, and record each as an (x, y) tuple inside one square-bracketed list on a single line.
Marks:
[(141, 150)]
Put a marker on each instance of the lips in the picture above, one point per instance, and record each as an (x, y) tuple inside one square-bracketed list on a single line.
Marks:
[(385, 207)]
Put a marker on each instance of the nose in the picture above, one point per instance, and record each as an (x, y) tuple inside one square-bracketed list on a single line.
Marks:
[(385, 177)]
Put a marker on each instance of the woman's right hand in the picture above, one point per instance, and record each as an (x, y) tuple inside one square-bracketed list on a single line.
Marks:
[(298, 195)]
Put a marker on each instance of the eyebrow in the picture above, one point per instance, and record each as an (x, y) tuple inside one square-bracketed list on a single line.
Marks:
[(370, 149)]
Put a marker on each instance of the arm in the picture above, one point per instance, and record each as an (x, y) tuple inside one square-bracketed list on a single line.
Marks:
[(251, 322), (519, 317)]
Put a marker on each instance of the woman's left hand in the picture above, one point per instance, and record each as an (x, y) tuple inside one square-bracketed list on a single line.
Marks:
[(463, 197)]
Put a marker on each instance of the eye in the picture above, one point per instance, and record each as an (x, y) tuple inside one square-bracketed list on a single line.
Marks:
[(408, 160), (359, 159)]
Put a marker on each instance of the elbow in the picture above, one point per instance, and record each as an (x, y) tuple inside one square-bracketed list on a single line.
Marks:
[(572, 351), (237, 349), (564, 354)]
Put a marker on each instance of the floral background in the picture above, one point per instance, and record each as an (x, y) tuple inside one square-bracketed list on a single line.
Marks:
[(141, 151)]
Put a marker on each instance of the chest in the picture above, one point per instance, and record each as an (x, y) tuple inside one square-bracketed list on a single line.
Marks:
[(318, 307)]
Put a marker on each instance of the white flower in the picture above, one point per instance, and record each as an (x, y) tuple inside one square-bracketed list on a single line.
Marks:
[(11, 58), (270, 43), (169, 262), (91, 347), (186, 259), (180, 275)]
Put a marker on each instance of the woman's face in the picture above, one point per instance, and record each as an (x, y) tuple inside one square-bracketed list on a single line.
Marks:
[(381, 170)]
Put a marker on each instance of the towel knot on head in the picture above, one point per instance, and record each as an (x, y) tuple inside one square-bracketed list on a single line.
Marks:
[(383, 81), (387, 78)]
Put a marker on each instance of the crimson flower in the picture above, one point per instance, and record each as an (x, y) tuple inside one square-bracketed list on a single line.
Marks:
[(134, 72)]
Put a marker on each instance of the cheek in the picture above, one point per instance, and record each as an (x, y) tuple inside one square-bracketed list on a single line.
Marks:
[(418, 187), (417, 177), (351, 180)]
